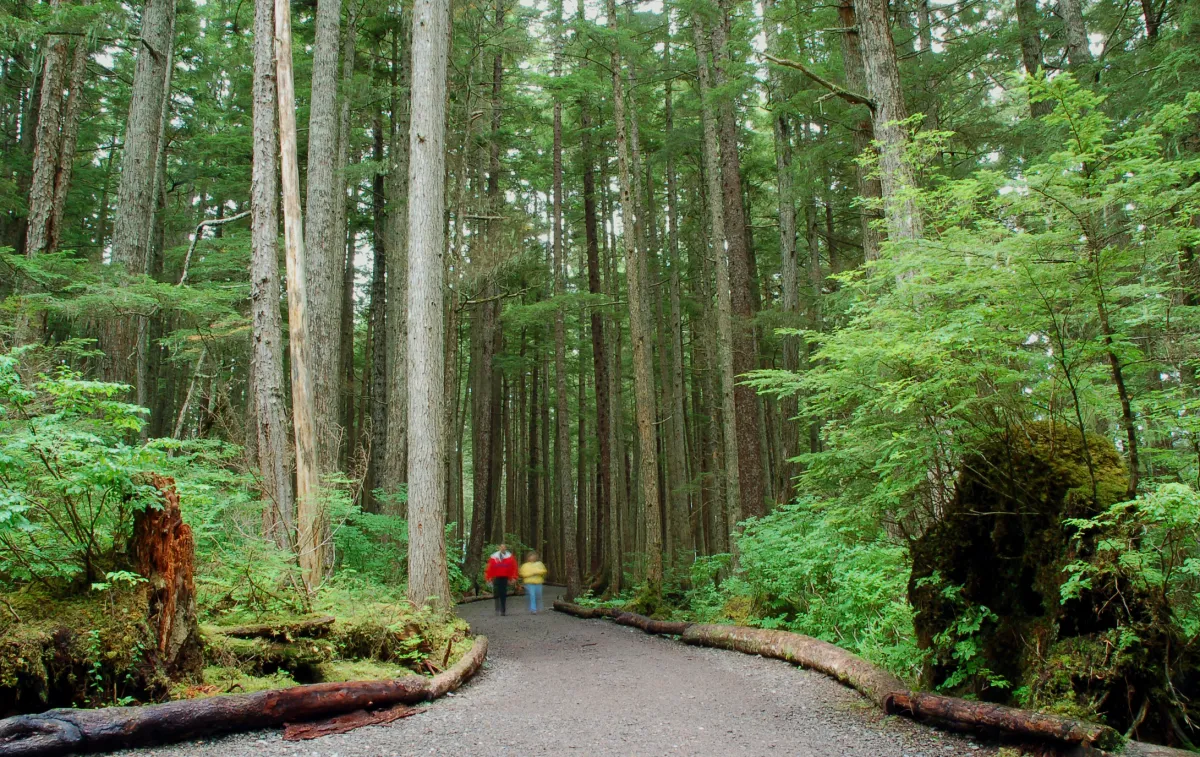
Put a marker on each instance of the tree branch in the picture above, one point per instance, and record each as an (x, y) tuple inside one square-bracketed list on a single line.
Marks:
[(187, 259), (842, 92)]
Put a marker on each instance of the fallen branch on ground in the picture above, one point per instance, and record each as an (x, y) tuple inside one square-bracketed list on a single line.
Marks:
[(62, 731)]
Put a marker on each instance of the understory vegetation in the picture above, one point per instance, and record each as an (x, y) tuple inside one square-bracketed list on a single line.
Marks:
[(75, 630)]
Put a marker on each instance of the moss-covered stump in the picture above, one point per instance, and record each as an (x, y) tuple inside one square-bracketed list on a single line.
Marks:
[(83, 650), (986, 586)]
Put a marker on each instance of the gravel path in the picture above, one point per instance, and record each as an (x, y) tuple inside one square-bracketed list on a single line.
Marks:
[(556, 685)]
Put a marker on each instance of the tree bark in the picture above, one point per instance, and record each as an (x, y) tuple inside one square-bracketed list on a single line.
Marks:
[(380, 356), (428, 580), (640, 335), (600, 361), (679, 532), (882, 76), (567, 502), (310, 515), (47, 144), (70, 138), (788, 262), (869, 190), (1075, 31), (394, 465), (266, 339), (748, 421), (731, 483), (135, 192), (1028, 27), (322, 240), (343, 233)]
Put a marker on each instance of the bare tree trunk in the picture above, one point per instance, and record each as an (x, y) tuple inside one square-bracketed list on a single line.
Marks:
[(731, 484), (1028, 26), (310, 514), (266, 354), (394, 462), (46, 145), (640, 335), (135, 193), (604, 498), (679, 531), (380, 369), (70, 137), (869, 189), (788, 262), (882, 77), (428, 578), (342, 232), (741, 282), (567, 502), (1078, 52), (323, 241)]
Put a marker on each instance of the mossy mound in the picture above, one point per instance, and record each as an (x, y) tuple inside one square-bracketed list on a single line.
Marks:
[(986, 587), (76, 650), (379, 640)]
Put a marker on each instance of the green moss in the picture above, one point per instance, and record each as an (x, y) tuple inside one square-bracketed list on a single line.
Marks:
[(361, 670), (80, 650)]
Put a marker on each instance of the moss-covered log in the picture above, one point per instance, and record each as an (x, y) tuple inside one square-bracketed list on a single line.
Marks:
[(62, 731), (586, 613), (871, 681), (1008, 721), (650, 625), (307, 628)]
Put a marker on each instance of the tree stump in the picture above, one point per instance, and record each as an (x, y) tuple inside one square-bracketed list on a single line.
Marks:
[(163, 552)]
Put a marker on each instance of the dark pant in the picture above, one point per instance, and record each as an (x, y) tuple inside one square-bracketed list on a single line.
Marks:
[(500, 591)]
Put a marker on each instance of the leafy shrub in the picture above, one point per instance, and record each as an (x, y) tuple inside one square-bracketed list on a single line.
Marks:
[(69, 480)]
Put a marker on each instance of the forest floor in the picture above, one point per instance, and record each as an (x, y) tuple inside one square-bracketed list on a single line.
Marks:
[(557, 685)]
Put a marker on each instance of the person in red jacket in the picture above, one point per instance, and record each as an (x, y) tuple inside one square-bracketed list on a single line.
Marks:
[(501, 568)]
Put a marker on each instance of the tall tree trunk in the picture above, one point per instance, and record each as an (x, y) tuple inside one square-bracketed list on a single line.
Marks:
[(1029, 28), (604, 498), (882, 77), (788, 263), (266, 353), (310, 515), (340, 211), (70, 137), (323, 241), (1075, 31), (427, 572), (567, 502), (731, 485), (47, 144), (869, 189), (748, 421), (640, 336), (135, 193), (394, 463), (679, 531), (378, 396)]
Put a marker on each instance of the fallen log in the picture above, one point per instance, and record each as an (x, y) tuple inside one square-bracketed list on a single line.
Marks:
[(999, 719), (587, 613), (283, 631), (650, 625), (58, 732), (871, 681)]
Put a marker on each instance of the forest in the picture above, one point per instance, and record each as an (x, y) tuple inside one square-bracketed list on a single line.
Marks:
[(873, 322)]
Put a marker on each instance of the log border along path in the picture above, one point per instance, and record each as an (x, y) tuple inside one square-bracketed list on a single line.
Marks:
[(888, 692), (68, 731)]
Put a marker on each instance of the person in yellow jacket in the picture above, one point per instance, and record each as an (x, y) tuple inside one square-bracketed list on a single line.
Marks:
[(533, 574)]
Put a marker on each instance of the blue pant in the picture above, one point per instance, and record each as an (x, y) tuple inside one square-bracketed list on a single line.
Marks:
[(535, 596)]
